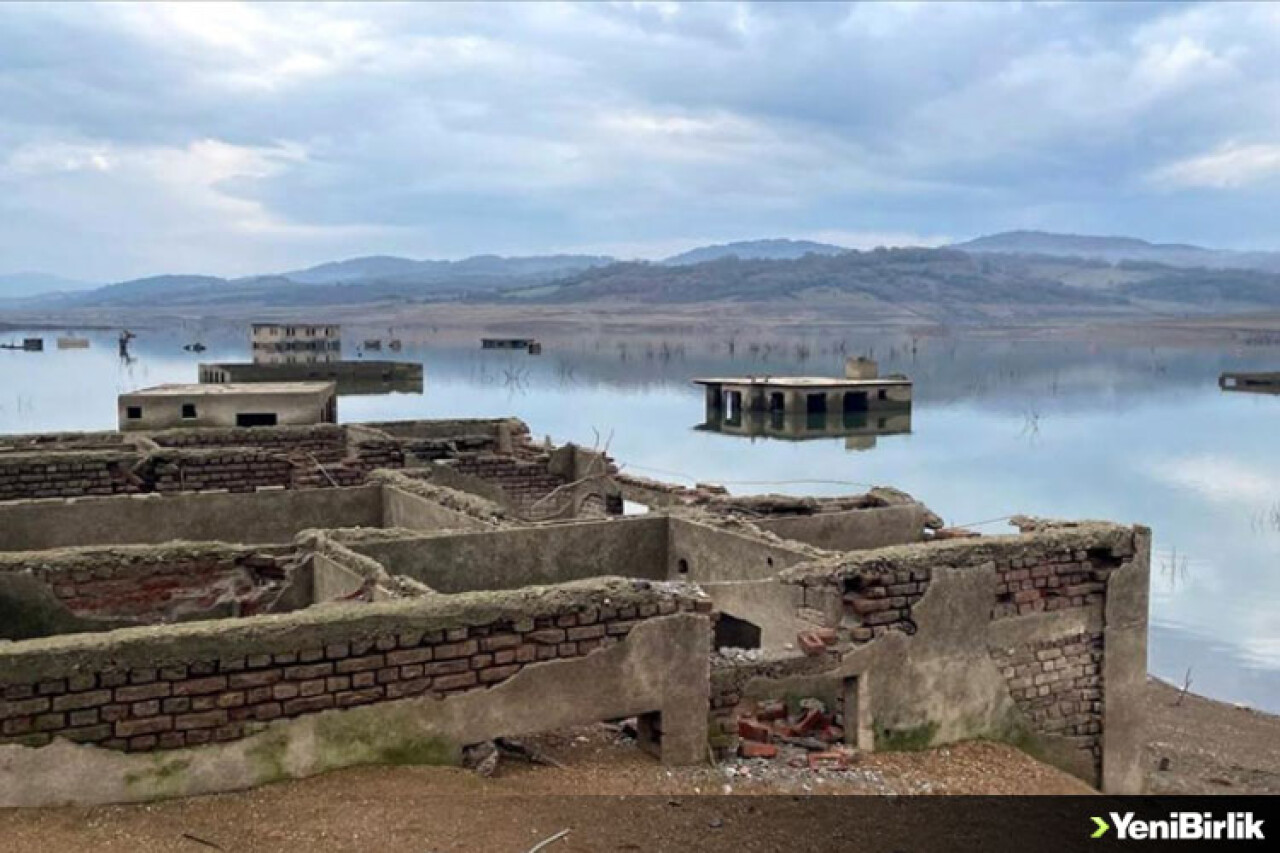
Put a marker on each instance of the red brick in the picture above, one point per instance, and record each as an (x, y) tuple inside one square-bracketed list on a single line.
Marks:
[(810, 644), (750, 729), (308, 672), (310, 703), (409, 656), (500, 641), (140, 693), (199, 686), (811, 721), (457, 650), (358, 697), (360, 664), (453, 682), (151, 725), (498, 673), (254, 679), (753, 749)]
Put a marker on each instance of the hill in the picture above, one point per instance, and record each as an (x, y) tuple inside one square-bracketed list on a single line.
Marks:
[(480, 270), (1118, 249), (773, 250)]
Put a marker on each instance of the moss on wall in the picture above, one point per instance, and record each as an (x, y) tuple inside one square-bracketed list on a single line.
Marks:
[(905, 739)]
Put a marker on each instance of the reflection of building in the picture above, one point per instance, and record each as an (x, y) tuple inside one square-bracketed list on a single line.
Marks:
[(260, 404), (858, 407), (291, 343), (860, 391), (351, 377), (858, 429), (529, 344), (1253, 383)]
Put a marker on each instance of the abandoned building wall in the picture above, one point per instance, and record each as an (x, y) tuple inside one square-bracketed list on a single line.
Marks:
[(424, 442), (104, 588), (326, 442), (852, 530), (266, 516), (703, 553), (523, 482), (945, 659), (739, 571), (49, 474), (63, 441), (407, 510), (433, 674), (516, 557)]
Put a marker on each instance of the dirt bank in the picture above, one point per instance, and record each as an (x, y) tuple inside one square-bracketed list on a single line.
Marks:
[(1211, 747)]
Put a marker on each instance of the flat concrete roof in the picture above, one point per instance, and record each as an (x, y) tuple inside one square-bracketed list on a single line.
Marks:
[(802, 381), (230, 388)]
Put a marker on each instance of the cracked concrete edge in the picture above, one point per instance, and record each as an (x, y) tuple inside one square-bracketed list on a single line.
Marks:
[(1086, 535), (155, 646)]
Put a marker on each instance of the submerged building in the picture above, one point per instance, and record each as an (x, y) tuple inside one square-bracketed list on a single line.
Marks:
[(228, 405), (295, 343), (861, 390), (198, 610)]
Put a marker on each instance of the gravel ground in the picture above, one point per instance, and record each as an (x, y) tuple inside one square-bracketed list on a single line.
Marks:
[(1210, 747)]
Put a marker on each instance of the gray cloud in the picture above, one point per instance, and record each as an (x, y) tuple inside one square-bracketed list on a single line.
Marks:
[(234, 139)]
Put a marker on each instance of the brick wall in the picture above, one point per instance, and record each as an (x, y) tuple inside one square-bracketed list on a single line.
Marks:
[(1067, 578), (876, 603), (1058, 686), (195, 702), (234, 469), (24, 476), (523, 481), (326, 442), (148, 585)]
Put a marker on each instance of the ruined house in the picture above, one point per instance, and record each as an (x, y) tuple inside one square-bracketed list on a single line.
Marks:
[(196, 610)]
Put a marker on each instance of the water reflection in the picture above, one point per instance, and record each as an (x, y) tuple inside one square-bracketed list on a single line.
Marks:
[(1069, 430), (858, 429)]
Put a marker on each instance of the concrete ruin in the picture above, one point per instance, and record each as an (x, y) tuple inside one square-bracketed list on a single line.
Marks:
[(228, 405), (805, 400), (350, 377), (189, 611)]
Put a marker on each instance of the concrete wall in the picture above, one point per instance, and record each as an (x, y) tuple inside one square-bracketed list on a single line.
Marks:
[(229, 705), (163, 411), (98, 589), (739, 573), (507, 559), (256, 517), (413, 512), (852, 530), (939, 657)]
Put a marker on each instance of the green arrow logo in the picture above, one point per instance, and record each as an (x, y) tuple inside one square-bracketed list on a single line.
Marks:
[(1102, 828)]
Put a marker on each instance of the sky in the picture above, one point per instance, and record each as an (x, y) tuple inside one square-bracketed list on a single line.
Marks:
[(237, 139)]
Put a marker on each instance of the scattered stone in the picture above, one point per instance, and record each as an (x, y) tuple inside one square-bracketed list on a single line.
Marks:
[(828, 761)]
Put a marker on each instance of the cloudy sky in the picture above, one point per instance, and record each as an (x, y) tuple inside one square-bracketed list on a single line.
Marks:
[(237, 139)]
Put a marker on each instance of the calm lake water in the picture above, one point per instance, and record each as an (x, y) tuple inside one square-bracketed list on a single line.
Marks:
[(1065, 430)]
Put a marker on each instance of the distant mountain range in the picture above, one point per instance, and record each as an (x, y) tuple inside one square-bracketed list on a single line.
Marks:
[(1118, 249), (1017, 271), (481, 267), (770, 250)]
